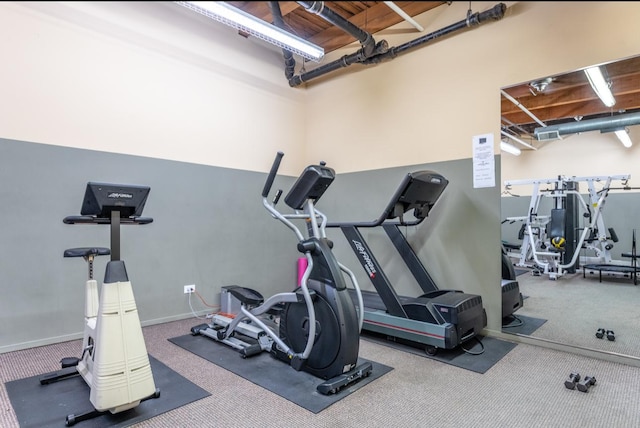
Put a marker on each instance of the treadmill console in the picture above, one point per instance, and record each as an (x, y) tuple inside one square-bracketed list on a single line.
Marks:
[(419, 191)]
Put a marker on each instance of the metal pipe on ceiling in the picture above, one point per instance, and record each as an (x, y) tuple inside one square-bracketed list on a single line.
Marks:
[(380, 51), (319, 8), (278, 21), (603, 124), (369, 45), (521, 107), (472, 20)]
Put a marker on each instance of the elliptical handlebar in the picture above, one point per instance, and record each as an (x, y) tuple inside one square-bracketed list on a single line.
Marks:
[(315, 230), (270, 206), (272, 174)]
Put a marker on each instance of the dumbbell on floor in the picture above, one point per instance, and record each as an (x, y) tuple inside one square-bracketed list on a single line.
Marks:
[(573, 379), (586, 383)]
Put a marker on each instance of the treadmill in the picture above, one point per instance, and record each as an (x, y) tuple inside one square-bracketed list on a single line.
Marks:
[(437, 319), (512, 299)]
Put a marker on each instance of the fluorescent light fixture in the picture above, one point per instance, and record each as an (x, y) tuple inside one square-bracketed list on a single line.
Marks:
[(509, 148), (623, 136), (225, 13), (600, 85), (517, 140)]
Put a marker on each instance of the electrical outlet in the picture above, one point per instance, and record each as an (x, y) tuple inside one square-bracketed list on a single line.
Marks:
[(188, 289)]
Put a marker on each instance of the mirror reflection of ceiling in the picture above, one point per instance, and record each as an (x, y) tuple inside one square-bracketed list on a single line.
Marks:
[(568, 98)]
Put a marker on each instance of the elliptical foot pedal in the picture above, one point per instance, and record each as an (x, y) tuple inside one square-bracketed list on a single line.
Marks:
[(334, 385), (251, 350), (195, 330), (279, 354)]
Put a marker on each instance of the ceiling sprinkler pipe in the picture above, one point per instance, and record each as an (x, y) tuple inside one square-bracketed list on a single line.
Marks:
[(381, 52), (368, 43), (342, 62), (318, 8), (289, 61)]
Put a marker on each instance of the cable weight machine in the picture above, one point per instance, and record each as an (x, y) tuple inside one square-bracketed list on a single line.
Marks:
[(552, 243)]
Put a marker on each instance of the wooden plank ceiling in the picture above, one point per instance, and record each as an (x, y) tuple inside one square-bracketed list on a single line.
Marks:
[(371, 16)]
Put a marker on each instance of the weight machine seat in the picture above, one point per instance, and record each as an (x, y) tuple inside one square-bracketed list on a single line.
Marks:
[(511, 246), (87, 251)]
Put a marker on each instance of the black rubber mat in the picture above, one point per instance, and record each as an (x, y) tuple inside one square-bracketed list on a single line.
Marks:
[(272, 374), (41, 406), (521, 324), (478, 354)]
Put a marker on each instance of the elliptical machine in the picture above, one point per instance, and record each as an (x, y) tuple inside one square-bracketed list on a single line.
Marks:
[(317, 328), (114, 361)]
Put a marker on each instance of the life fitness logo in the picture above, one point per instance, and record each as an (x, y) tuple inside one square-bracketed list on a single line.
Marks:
[(368, 263), (116, 195)]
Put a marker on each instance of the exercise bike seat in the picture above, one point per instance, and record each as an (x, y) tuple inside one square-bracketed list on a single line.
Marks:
[(245, 295), (87, 251)]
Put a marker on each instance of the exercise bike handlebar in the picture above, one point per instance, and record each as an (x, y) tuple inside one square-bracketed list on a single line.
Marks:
[(88, 219), (272, 174)]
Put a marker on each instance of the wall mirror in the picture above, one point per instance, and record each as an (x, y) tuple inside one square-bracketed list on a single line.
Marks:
[(571, 191)]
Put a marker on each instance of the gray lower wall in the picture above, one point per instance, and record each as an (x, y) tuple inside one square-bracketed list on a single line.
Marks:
[(209, 229)]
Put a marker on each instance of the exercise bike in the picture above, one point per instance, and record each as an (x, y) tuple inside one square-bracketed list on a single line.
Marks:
[(316, 327), (114, 361)]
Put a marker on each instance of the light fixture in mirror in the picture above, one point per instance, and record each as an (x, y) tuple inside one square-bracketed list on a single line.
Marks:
[(509, 148), (600, 85), (623, 136)]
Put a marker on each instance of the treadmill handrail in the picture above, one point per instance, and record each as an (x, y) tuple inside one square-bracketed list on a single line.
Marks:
[(376, 222), (387, 211)]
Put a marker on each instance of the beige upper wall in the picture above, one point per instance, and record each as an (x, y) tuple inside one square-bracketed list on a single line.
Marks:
[(587, 154), (427, 104), (147, 79)]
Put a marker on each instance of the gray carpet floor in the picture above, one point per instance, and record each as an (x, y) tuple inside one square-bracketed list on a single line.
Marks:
[(524, 389), (575, 308)]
